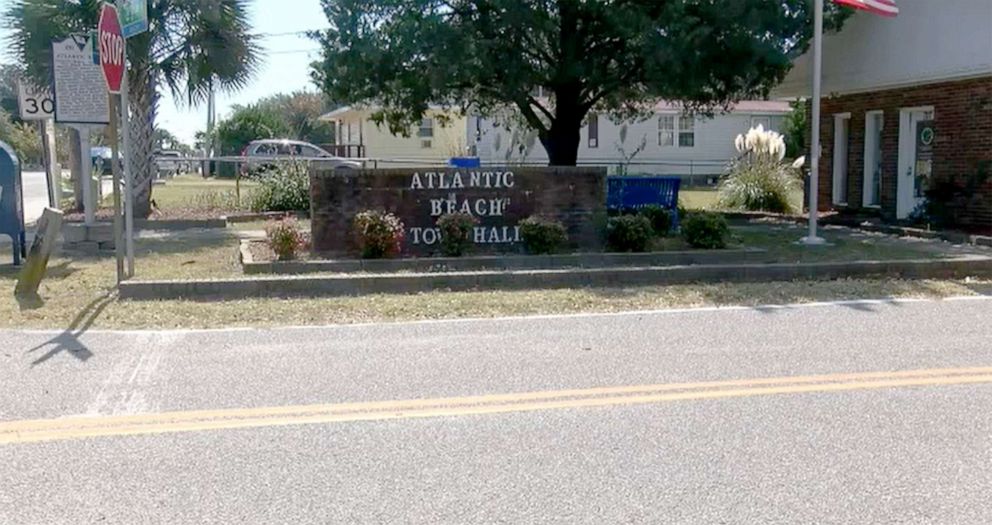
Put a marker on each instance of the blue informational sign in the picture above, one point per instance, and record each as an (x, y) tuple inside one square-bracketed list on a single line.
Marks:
[(133, 15), (12, 201)]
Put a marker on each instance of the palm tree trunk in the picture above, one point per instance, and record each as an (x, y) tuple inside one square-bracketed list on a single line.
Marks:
[(144, 104)]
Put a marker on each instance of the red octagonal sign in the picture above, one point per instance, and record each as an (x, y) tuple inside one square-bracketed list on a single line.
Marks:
[(111, 44)]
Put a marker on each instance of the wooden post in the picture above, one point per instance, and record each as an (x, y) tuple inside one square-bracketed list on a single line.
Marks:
[(49, 226)]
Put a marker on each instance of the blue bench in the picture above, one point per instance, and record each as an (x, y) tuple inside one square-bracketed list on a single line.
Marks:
[(631, 193)]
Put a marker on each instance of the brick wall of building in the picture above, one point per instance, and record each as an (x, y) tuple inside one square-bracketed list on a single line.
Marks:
[(963, 124), (498, 197)]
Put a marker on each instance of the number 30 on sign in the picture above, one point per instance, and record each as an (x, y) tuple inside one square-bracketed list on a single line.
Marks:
[(35, 103)]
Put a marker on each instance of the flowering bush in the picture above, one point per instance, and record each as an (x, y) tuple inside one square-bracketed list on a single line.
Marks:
[(379, 234), (285, 238), (541, 235), (456, 232), (760, 179)]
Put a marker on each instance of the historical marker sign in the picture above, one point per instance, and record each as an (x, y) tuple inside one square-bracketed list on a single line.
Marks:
[(80, 90), (35, 103), (133, 15), (111, 43)]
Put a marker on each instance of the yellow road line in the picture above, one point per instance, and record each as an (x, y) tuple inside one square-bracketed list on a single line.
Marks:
[(80, 427)]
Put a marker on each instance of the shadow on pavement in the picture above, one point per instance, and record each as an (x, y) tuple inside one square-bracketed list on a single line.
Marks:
[(68, 341)]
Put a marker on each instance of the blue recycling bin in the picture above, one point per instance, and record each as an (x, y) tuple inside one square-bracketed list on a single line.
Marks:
[(465, 162), (12, 202)]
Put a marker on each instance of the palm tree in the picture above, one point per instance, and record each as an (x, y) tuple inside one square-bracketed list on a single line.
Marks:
[(191, 46)]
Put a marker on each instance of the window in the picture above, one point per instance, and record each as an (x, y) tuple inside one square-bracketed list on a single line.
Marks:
[(874, 123), (426, 128), (426, 132), (666, 130), (593, 130), (764, 122), (687, 131)]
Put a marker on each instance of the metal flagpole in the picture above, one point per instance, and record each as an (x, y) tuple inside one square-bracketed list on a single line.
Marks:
[(814, 164)]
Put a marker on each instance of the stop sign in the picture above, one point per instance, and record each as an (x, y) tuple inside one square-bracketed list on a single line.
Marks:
[(111, 45)]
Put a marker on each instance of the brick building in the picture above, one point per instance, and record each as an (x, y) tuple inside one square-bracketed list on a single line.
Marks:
[(907, 109)]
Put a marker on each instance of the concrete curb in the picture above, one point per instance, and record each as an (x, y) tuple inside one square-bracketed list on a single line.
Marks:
[(496, 262), (350, 285), (263, 216)]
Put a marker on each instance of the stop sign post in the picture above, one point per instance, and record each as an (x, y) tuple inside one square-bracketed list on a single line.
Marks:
[(110, 42)]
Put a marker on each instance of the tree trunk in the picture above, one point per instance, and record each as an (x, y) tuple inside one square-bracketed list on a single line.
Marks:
[(143, 103), (76, 169), (562, 144), (561, 141)]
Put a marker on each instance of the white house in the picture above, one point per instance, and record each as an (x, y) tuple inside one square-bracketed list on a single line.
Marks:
[(667, 143), (908, 104)]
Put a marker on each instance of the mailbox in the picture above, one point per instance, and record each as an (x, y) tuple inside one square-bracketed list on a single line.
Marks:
[(12, 201)]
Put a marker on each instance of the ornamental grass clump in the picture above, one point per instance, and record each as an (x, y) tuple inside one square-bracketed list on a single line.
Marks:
[(379, 234), (760, 179)]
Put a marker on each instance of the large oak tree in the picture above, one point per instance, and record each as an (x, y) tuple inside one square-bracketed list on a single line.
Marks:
[(616, 56)]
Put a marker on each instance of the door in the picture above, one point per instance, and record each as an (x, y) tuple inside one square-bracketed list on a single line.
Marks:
[(916, 140)]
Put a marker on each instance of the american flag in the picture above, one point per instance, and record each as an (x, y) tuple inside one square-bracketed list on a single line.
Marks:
[(880, 7)]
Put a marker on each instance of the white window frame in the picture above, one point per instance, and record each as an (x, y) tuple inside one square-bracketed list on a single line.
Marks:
[(592, 131), (426, 133), (670, 132), (683, 131), (426, 129), (872, 135), (766, 124), (841, 159)]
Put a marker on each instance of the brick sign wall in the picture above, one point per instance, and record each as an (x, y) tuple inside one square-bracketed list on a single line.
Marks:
[(498, 197)]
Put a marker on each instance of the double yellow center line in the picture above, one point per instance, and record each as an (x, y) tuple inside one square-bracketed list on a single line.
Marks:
[(29, 431)]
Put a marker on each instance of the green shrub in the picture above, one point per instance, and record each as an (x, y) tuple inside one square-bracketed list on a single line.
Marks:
[(705, 230), (456, 233), (285, 188), (379, 234), (541, 235), (285, 238), (661, 219), (628, 233)]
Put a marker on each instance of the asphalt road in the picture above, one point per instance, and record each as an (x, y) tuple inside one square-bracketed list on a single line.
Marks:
[(851, 413)]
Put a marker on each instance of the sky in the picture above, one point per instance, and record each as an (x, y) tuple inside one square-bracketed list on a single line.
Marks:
[(286, 57), (285, 64)]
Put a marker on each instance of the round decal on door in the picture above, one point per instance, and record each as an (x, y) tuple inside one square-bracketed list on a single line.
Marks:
[(926, 136)]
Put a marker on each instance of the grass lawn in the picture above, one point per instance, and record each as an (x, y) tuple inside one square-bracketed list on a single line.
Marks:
[(78, 292), (706, 199), (698, 198), (192, 196)]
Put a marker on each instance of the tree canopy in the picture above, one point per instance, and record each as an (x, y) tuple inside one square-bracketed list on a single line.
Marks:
[(616, 56)]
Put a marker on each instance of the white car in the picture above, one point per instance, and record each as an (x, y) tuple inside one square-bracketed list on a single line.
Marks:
[(169, 163), (265, 154)]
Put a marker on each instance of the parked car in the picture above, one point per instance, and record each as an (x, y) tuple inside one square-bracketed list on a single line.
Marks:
[(262, 155), (169, 163)]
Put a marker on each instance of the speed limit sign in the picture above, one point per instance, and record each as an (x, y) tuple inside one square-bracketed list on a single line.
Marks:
[(35, 103)]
